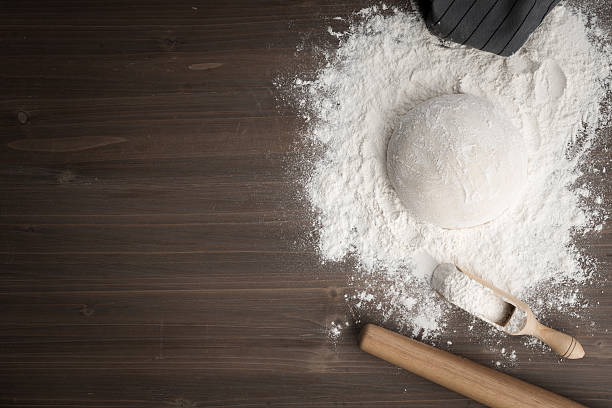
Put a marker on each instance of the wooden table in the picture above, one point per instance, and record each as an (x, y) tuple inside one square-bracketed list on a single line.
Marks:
[(152, 246)]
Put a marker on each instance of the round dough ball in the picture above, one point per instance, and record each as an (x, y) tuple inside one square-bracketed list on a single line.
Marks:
[(456, 161)]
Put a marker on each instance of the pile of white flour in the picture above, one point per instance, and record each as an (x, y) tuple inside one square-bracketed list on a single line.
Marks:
[(388, 62)]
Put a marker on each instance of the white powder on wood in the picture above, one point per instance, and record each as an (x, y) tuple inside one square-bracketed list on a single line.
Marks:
[(517, 321), (551, 92), (470, 295)]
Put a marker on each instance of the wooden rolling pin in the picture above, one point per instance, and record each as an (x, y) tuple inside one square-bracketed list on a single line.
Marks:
[(480, 383)]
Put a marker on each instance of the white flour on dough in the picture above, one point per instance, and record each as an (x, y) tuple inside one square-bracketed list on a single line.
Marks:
[(387, 63), (456, 161)]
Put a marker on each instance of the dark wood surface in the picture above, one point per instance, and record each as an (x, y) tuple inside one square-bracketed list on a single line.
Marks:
[(153, 250)]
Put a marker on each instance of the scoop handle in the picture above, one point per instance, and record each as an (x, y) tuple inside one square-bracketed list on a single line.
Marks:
[(564, 345)]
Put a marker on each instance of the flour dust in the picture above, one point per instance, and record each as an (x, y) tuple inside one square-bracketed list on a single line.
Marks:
[(552, 91)]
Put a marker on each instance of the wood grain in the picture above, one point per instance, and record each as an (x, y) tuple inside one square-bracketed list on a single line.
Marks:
[(63, 144), (153, 248)]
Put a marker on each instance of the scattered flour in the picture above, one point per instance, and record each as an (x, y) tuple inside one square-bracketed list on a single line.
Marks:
[(387, 63), (335, 331)]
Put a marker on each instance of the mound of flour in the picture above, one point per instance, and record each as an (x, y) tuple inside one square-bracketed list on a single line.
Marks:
[(387, 63)]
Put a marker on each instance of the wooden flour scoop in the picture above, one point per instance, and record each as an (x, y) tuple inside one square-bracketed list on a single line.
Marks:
[(499, 308)]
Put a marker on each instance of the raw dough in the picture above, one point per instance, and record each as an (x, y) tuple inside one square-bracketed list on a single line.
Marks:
[(456, 161)]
